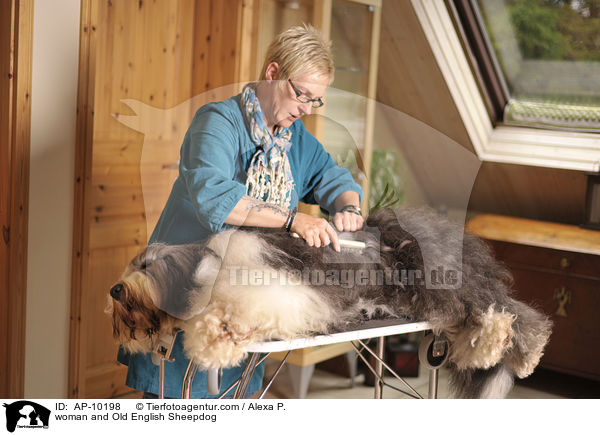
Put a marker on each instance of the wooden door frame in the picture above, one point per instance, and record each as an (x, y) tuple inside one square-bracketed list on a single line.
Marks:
[(83, 162), (16, 43), (83, 172)]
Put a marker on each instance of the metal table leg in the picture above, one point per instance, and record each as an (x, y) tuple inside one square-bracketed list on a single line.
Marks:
[(224, 393), (274, 374), (240, 391), (433, 354), (433, 383), (378, 393), (163, 352), (188, 379), (161, 379), (414, 394)]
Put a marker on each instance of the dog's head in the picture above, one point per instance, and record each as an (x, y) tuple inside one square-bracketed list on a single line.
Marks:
[(153, 295)]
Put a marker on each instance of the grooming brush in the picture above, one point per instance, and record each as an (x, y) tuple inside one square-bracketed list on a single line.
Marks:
[(344, 243)]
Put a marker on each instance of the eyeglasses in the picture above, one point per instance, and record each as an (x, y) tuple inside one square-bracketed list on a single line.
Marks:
[(303, 98)]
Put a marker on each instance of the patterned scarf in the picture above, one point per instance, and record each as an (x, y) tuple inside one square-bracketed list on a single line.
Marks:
[(269, 175)]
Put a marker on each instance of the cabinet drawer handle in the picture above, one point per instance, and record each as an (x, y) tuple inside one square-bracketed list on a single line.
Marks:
[(563, 296), (564, 263)]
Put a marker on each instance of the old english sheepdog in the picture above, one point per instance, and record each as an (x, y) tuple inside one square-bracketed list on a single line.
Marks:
[(250, 285)]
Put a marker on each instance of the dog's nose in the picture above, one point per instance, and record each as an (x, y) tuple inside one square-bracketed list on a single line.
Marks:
[(116, 291)]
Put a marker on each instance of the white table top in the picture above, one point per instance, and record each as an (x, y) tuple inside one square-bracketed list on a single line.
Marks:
[(370, 329)]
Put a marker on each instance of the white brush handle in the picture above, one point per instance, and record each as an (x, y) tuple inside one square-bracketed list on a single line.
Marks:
[(352, 244), (344, 243)]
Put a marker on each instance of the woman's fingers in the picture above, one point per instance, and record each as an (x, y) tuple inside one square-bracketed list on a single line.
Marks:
[(348, 221), (316, 231), (333, 237), (321, 232), (356, 223), (317, 238), (337, 221)]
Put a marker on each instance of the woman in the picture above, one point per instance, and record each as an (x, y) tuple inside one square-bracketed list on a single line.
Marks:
[(247, 161)]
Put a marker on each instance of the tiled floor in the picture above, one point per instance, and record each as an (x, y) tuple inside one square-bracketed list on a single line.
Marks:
[(541, 385)]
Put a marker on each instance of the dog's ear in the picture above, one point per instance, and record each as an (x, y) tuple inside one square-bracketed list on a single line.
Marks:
[(111, 310), (207, 270), (205, 277), (140, 261), (115, 326), (145, 264)]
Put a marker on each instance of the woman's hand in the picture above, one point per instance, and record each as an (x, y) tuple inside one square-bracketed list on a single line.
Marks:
[(316, 231), (348, 218), (348, 221)]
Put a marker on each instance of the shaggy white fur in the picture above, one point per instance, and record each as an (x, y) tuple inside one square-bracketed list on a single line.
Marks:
[(530, 344), (241, 287), (239, 314), (498, 386), (483, 345)]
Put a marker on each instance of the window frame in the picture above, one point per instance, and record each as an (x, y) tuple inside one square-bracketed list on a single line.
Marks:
[(478, 107), (481, 56)]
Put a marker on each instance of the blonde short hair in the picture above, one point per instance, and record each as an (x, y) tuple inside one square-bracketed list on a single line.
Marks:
[(300, 50)]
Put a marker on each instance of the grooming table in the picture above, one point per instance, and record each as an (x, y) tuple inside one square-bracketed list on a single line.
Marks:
[(433, 353)]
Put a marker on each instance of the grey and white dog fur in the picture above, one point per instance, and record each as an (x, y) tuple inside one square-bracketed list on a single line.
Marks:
[(201, 289)]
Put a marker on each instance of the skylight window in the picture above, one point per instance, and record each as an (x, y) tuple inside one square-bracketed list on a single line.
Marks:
[(538, 60)]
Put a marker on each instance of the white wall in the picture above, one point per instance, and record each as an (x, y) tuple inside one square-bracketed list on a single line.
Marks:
[(53, 116)]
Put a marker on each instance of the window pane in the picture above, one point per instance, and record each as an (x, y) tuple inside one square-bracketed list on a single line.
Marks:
[(351, 28), (549, 54)]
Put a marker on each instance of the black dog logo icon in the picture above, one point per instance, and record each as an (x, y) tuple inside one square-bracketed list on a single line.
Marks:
[(26, 414)]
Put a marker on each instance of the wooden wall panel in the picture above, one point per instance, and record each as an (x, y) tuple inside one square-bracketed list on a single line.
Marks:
[(107, 268), (216, 44), (546, 194), (409, 79), (6, 86), (275, 17), (249, 31), (155, 55), (16, 30)]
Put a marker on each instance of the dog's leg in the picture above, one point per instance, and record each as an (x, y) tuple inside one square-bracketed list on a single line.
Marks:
[(482, 344), (492, 383), (214, 339), (532, 332)]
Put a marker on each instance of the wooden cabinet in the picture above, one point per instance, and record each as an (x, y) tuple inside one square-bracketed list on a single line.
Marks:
[(557, 269)]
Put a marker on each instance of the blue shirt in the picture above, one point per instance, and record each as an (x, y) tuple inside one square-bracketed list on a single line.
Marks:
[(214, 160)]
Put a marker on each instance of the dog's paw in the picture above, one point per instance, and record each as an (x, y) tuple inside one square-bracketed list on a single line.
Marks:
[(484, 344), (214, 340)]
